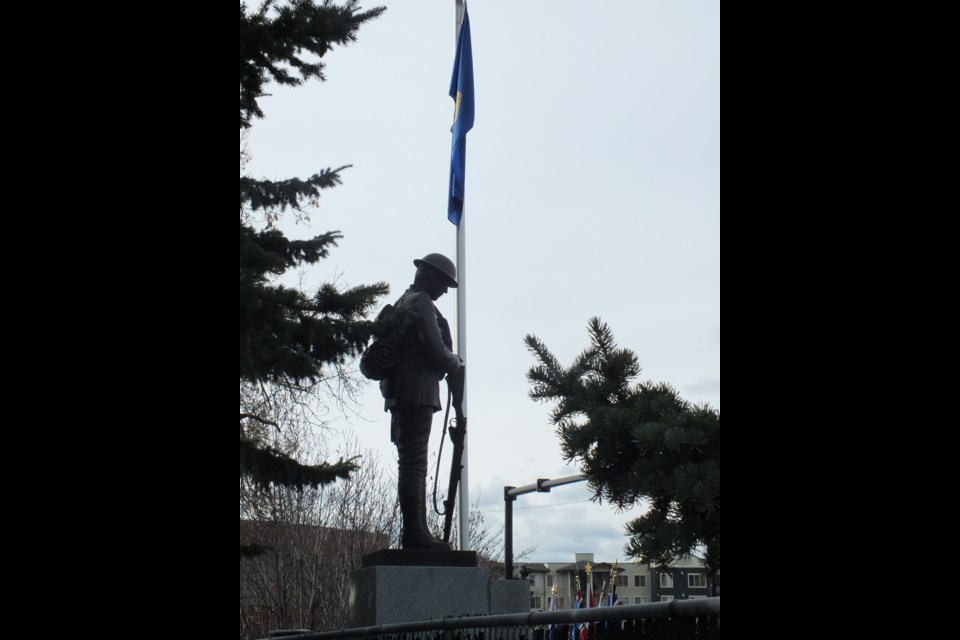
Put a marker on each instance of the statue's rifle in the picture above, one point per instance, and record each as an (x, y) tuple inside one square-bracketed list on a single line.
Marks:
[(457, 431)]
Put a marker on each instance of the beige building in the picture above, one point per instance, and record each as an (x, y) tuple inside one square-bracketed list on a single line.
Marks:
[(636, 583)]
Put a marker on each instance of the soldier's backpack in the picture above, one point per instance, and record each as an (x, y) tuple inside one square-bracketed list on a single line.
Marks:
[(381, 357)]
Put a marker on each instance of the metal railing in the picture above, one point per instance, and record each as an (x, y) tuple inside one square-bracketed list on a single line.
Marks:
[(697, 619)]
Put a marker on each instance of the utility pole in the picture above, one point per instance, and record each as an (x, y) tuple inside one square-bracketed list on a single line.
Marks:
[(509, 496)]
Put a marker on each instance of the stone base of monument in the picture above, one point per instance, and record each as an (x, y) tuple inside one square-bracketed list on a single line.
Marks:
[(397, 585)]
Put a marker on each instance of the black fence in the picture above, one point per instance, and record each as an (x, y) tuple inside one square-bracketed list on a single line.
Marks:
[(676, 620)]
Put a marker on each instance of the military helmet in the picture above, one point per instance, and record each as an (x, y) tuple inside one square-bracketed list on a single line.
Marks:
[(441, 263)]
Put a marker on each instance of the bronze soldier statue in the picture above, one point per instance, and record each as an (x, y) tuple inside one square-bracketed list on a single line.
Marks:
[(412, 390)]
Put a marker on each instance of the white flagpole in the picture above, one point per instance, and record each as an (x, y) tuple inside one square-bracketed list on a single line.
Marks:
[(464, 498)]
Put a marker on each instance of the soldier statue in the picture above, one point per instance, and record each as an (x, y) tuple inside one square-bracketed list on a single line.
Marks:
[(412, 390)]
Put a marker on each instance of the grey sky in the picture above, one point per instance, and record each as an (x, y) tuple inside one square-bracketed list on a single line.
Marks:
[(592, 189)]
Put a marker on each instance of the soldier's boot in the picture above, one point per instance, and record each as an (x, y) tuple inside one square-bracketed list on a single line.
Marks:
[(412, 490)]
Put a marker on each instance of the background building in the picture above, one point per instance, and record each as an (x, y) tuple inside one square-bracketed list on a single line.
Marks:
[(636, 583), (685, 579)]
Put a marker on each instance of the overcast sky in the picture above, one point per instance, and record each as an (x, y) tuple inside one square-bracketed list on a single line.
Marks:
[(592, 189)]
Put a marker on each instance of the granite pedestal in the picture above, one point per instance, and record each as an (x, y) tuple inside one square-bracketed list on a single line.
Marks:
[(397, 585)]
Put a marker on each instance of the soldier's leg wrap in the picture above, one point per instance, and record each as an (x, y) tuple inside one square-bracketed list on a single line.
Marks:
[(412, 428)]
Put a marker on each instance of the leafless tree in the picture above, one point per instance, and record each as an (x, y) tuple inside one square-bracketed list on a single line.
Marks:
[(315, 537)]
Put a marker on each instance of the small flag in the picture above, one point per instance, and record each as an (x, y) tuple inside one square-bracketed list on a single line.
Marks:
[(613, 585), (461, 90), (576, 605), (612, 596), (587, 631), (553, 607)]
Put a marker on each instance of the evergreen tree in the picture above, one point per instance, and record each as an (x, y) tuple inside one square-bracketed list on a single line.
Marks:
[(289, 338), (637, 443)]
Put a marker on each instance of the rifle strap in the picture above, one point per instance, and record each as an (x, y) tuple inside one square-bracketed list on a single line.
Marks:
[(436, 474)]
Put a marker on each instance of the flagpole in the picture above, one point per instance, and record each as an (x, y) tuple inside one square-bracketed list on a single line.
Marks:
[(464, 497)]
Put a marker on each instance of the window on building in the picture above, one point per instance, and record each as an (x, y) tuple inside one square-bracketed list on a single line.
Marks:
[(697, 580), (640, 600), (535, 580), (535, 602), (666, 581), (666, 598), (550, 581), (560, 602), (639, 581), (623, 581)]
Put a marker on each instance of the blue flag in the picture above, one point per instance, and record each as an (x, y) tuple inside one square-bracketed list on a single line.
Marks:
[(574, 628), (461, 90)]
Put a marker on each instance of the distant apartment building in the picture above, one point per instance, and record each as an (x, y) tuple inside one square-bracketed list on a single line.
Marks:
[(683, 580), (636, 583)]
